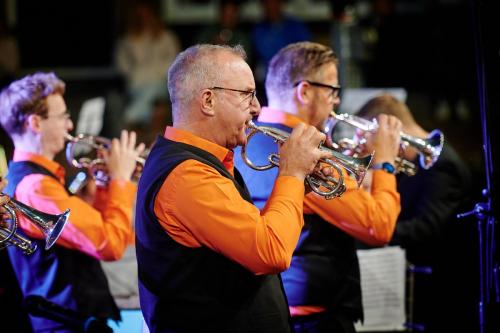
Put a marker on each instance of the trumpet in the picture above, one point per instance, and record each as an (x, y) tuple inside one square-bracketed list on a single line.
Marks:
[(429, 149), (50, 225), (334, 187), (83, 151), (402, 165)]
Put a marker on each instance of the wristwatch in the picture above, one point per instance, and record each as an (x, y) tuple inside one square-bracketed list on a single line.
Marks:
[(386, 166)]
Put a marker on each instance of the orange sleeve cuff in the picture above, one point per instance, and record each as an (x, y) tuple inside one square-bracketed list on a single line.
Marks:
[(289, 186), (383, 180), (125, 191), (367, 216)]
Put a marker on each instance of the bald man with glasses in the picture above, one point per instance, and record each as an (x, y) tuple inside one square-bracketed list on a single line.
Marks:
[(208, 258)]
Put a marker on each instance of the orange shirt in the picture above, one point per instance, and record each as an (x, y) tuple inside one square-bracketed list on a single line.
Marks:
[(367, 216), (197, 207), (102, 231)]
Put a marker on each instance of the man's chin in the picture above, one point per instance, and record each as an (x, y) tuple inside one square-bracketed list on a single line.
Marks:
[(61, 147), (242, 136), (241, 141)]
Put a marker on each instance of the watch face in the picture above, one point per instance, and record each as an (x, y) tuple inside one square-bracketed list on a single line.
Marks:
[(388, 167)]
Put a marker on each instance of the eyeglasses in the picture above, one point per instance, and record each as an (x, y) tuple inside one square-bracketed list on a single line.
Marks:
[(248, 93), (66, 115), (335, 90)]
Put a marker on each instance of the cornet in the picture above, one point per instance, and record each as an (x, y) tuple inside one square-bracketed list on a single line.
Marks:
[(90, 147), (50, 225), (402, 165), (429, 149), (334, 187)]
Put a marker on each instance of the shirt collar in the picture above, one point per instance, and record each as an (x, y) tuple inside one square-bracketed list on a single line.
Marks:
[(275, 116), (221, 153), (52, 166)]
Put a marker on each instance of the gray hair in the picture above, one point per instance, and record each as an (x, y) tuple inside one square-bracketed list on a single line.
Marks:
[(293, 63), (194, 69)]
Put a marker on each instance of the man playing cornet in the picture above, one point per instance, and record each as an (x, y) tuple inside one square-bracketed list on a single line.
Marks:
[(34, 114), (323, 282), (208, 258)]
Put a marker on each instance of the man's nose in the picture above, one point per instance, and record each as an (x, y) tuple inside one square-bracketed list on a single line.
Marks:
[(255, 107), (336, 102)]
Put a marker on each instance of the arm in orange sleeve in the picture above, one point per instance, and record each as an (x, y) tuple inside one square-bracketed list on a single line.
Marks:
[(199, 207), (368, 217), (97, 197), (102, 234)]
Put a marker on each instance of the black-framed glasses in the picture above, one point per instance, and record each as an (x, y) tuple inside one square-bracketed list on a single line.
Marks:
[(66, 115), (252, 93), (335, 90)]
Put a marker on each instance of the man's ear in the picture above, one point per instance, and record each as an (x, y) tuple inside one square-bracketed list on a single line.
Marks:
[(207, 102), (33, 123), (303, 93)]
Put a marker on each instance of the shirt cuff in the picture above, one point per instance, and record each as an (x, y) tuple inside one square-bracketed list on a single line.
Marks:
[(383, 179), (123, 189)]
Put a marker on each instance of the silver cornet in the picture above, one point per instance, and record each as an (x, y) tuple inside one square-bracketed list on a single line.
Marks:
[(429, 148), (335, 187), (50, 225), (402, 165), (83, 151)]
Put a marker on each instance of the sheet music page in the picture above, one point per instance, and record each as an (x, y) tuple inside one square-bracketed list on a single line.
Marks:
[(383, 273), (91, 116)]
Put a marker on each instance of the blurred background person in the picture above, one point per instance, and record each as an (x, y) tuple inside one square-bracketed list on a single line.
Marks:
[(143, 56), (227, 29), (323, 282), (9, 55), (34, 114), (428, 228), (273, 32), (451, 100), (9, 66)]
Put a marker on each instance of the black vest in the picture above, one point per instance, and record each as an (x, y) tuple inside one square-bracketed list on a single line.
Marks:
[(327, 256), (324, 269), (66, 277), (186, 289)]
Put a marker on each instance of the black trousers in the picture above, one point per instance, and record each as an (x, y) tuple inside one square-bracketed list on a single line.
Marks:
[(325, 322)]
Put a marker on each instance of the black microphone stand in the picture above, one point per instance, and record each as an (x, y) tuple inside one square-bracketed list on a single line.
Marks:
[(40, 307), (483, 211)]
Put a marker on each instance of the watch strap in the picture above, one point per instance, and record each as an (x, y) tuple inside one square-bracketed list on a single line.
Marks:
[(386, 166)]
